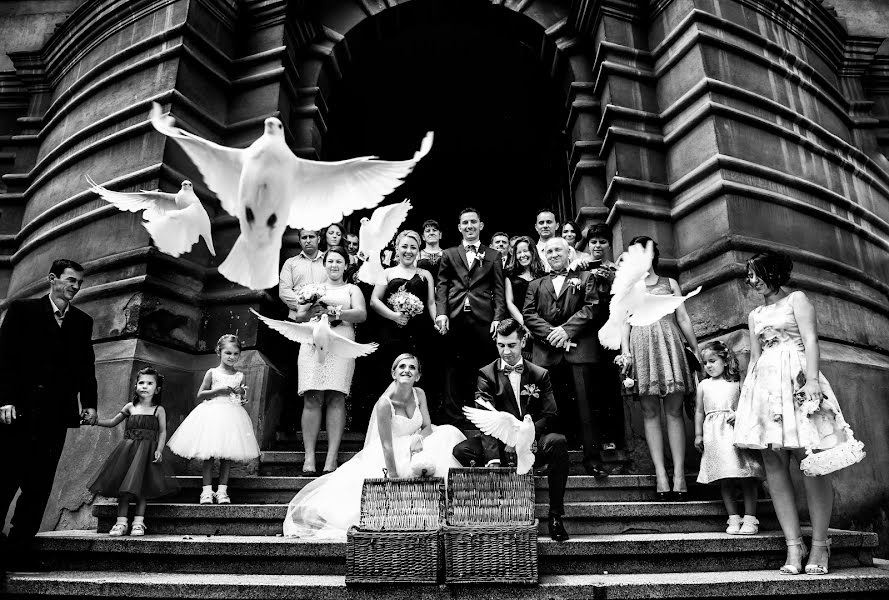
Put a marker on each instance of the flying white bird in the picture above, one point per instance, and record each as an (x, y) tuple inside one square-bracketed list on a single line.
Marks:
[(175, 221), (373, 236), (630, 300), (506, 428), (268, 188), (319, 334)]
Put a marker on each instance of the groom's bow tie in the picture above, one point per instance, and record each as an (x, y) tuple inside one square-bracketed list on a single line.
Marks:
[(518, 368)]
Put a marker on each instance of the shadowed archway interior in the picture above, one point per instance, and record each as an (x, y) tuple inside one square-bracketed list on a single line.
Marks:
[(468, 76)]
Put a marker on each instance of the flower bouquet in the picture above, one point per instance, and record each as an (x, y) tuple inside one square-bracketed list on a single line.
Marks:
[(310, 293), (404, 302)]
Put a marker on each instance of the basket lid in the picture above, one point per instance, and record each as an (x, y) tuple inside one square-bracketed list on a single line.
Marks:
[(402, 504), (489, 495)]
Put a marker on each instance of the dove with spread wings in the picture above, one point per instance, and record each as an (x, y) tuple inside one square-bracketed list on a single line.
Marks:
[(268, 188), (373, 236), (174, 221), (630, 300), (506, 428), (319, 334)]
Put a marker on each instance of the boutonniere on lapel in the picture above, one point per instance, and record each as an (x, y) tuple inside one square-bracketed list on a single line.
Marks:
[(530, 389), (574, 284)]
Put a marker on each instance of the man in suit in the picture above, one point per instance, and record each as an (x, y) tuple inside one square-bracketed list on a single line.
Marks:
[(470, 301), (560, 312), (46, 362), (521, 388)]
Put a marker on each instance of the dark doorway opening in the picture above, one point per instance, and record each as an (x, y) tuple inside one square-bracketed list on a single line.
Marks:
[(473, 75)]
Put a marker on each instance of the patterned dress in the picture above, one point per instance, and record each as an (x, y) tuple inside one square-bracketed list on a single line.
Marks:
[(770, 414), (658, 351), (721, 460), (335, 373)]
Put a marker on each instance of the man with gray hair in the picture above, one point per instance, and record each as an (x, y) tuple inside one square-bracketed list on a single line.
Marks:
[(560, 312)]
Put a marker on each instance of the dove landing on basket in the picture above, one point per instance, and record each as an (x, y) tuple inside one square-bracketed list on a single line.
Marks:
[(268, 188), (174, 221), (319, 334)]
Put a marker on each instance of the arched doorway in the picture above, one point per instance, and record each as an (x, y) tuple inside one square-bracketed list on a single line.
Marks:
[(489, 79), (467, 76)]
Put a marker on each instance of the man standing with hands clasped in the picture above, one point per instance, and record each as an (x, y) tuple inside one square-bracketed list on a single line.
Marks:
[(560, 312), (470, 302), (46, 362), (521, 388)]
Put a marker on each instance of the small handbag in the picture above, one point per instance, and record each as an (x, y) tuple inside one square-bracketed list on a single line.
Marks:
[(833, 459)]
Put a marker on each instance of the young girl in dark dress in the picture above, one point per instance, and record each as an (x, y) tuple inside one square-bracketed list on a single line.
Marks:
[(135, 468)]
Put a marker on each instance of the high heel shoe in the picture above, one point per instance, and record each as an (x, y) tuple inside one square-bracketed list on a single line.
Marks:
[(789, 569), (819, 569)]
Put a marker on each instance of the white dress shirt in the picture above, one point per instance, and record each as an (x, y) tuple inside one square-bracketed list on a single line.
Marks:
[(558, 282), (58, 313), (515, 380)]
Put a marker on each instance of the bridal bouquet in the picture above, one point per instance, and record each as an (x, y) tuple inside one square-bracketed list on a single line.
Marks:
[(406, 303), (310, 293)]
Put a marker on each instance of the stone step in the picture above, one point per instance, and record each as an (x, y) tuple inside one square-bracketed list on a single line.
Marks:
[(580, 517), (624, 553), (271, 489), (351, 441), (289, 462), (862, 583)]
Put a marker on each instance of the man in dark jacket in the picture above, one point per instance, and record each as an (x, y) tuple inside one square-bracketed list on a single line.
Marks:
[(46, 363)]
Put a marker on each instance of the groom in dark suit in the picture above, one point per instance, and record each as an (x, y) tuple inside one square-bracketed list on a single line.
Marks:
[(521, 388), (470, 302), (560, 312), (46, 363)]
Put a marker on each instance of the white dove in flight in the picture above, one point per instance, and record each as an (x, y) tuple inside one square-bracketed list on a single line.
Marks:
[(630, 300), (268, 188), (174, 221), (319, 334), (373, 236), (506, 428)]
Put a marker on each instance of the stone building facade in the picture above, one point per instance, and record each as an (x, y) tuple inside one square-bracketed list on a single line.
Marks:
[(718, 127)]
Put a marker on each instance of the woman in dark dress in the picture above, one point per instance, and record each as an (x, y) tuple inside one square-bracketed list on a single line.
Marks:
[(430, 255), (522, 267)]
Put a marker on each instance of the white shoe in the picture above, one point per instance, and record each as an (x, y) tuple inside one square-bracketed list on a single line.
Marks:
[(207, 497), (749, 526), (734, 524), (138, 529), (222, 497), (118, 530)]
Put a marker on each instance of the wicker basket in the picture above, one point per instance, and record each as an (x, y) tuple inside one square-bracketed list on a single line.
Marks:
[(491, 532), (397, 540)]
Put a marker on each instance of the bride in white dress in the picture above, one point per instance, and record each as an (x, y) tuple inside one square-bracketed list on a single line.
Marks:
[(399, 426)]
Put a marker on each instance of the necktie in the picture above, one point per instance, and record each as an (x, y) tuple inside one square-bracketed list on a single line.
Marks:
[(518, 368)]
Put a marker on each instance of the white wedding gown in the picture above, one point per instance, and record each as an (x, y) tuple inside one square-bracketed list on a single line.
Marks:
[(328, 506)]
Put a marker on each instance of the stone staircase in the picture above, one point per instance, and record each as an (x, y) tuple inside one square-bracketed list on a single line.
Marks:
[(624, 544)]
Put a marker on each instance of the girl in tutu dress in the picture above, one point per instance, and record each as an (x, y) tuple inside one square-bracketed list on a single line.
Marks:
[(717, 398), (135, 468), (219, 427), (787, 407)]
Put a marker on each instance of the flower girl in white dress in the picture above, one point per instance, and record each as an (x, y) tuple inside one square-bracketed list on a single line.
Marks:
[(218, 427), (399, 427)]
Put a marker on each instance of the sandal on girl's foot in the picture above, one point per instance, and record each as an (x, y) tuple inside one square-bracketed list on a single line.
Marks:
[(812, 569), (734, 524), (789, 569), (118, 530), (207, 497), (749, 526), (138, 529)]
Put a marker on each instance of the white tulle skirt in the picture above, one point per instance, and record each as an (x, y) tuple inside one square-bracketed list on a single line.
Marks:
[(216, 428), (327, 507)]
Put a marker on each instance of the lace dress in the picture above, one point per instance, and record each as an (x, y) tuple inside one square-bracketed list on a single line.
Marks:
[(335, 373), (769, 414), (328, 506), (721, 460), (218, 427), (130, 468), (658, 350)]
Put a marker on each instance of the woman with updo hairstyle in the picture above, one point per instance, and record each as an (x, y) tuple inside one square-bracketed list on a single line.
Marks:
[(328, 383), (655, 356), (400, 437), (787, 408), (333, 235)]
